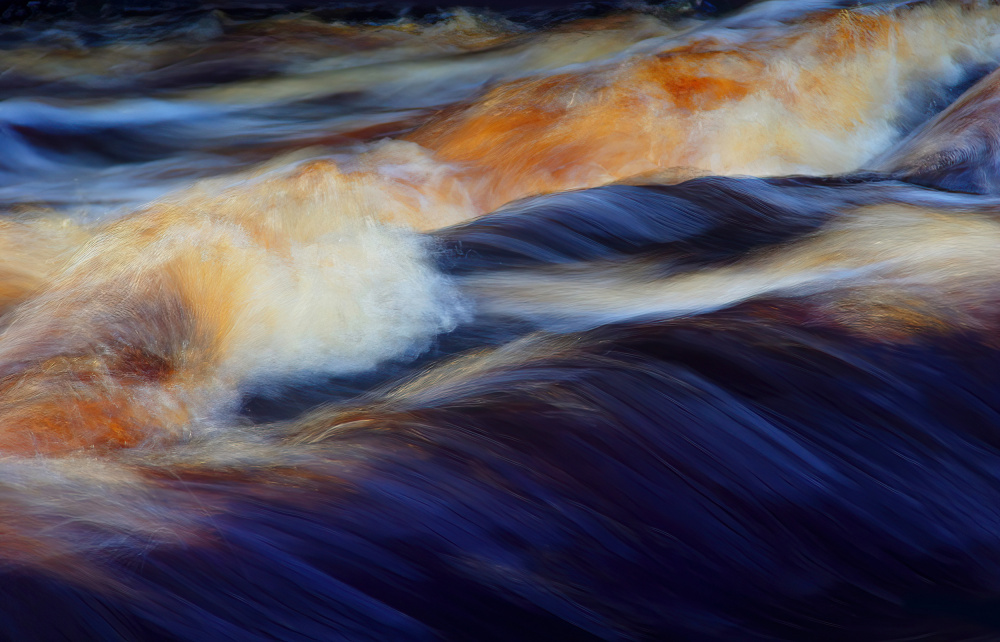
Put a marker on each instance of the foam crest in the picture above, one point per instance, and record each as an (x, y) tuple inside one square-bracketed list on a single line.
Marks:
[(947, 259)]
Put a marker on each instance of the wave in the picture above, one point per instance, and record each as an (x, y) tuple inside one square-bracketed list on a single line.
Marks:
[(631, 326)]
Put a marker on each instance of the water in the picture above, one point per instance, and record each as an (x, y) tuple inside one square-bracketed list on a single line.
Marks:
[(614, 322)]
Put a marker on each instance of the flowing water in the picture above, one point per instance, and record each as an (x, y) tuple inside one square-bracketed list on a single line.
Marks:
[(623, 322)]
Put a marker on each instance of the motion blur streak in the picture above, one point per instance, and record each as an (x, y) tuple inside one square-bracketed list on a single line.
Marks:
[(616, 323)]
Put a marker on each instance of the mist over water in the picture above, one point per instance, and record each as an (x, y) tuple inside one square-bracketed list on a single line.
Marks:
[(621, 322)]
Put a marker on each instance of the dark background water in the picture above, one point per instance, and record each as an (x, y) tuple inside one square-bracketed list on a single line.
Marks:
[(17, 12)]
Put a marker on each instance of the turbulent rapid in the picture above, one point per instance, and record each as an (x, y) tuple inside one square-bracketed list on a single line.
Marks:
[(615, 322)]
